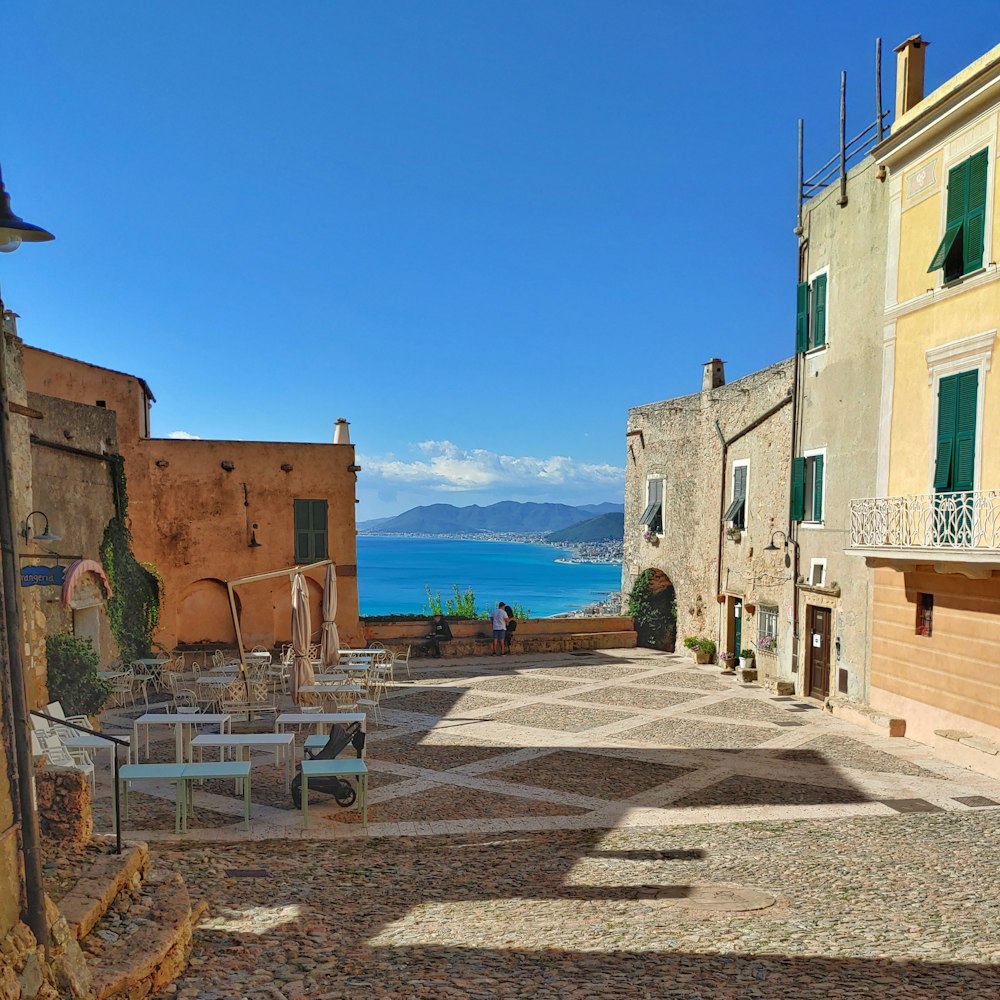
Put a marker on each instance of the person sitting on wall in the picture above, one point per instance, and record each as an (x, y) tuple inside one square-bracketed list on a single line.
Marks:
[(440, 632)]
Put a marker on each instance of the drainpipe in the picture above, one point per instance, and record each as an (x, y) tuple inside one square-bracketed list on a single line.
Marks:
[(30, 836)]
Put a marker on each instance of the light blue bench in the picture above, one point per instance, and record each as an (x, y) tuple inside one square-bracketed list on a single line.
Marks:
[(346, 767)]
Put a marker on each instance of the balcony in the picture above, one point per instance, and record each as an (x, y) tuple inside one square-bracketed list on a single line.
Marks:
[(928, 527)]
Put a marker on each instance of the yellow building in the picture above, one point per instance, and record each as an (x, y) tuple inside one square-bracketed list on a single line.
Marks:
[(932, 533)]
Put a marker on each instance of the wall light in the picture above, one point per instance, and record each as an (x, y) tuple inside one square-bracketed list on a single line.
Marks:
[(45, 536)]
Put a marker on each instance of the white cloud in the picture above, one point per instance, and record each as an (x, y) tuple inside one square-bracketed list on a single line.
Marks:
[(183, 436), (444, 467)]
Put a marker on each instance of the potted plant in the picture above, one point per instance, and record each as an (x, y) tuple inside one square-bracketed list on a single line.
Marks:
[(703, 649), (651, 536), (727, 661), (733, 533), (746, 659)]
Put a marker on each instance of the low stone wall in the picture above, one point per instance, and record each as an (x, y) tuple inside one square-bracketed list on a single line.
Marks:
[(64, 806)]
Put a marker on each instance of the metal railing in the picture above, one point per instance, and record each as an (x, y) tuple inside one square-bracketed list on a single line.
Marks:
[(944, 521), (116, 742)]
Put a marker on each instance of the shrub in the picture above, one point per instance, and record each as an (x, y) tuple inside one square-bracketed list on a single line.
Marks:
[(651, 615), (462, 605), (700, 644), (747, 654), (72, 669)]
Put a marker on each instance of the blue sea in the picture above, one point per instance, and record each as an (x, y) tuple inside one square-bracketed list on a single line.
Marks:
[(393, 572)]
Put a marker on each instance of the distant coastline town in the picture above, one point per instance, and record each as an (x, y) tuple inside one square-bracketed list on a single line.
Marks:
[(607, 552)]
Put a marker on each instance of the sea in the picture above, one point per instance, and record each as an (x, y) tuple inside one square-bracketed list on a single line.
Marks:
[(393, 573)]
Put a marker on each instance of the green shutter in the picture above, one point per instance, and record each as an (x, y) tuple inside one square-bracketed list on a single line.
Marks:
[(798, 489), (947, 409), (958, 194), (802, 317), (818, 488), (944, 247), (975, 219), (318, 529), (963, 477), (300, 530), (819, 311)]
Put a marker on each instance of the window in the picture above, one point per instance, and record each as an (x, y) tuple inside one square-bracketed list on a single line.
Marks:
[(767, 629), (310, 530), (925, 614), (807, 487), (961, 248), (955, 454), (652, 516), (817, 572), (810, 314), (736, 511)]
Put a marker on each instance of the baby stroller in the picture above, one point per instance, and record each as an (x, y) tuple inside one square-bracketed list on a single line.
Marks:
[(342, 791)]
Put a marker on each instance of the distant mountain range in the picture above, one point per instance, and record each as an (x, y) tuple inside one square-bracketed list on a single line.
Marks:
[(604, 528), (506, 516)]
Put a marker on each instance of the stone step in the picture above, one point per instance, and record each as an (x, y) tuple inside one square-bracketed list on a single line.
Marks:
[(137, 950), (867, 718), (105, 878)]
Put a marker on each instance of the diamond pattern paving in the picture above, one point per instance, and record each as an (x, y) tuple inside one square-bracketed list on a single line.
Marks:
[(429, 751), (565, 718), (592, 671), (744, 791), (687, 733), (520, 684), (635, 697), (597, 775), (745, 708), (845, 752), (439, 703), (688, 679)]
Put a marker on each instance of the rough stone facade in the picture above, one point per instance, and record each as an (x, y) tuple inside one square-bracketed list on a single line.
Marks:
[(64, 806), (838, 414), (691, 443)]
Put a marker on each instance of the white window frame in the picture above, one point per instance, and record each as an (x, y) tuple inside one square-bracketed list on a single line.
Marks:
[(807, 519), (968, 354), (815, 564), (826, 343), (742, 463), (763, 611)]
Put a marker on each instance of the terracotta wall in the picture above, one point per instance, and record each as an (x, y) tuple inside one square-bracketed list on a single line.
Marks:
[(952, 674)]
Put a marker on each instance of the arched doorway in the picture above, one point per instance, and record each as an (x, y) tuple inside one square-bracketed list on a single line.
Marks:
[(653, 606), (204, 615)]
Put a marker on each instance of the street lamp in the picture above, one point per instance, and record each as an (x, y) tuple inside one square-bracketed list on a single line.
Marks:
[(13, 232), (13, 229)]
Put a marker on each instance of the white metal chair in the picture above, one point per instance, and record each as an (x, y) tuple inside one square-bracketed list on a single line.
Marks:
[(185, 701), (49, 741), (378, 680), (122, 690), (403, 658)]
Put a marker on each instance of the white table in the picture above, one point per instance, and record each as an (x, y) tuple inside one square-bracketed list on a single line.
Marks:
[(320, 719), (181, 721), (283, 744), (96, 743)]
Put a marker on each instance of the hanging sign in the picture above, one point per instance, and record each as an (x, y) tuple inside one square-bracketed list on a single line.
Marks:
[(42, 576)]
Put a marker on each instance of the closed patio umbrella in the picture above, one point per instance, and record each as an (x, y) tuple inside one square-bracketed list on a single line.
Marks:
[(302, 671), (330, 643)]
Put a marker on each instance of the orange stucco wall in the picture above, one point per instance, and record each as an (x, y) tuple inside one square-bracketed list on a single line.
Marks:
[(191, 518), (954, 674)]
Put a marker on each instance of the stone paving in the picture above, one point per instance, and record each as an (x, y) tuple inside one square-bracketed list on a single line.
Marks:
[(556, 840)]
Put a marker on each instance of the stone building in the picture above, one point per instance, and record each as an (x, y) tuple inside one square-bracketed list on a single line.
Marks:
[(838, 386), (706, 486), (203, 512)]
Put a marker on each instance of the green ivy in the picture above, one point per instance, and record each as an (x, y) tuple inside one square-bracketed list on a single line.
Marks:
[(655, 617), (134, 605), (72, 665)]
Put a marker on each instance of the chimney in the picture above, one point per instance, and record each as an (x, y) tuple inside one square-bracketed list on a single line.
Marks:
[(715, 375), (909, 74), (341, 432)]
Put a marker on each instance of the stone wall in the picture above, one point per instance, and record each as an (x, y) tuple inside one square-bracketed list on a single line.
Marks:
[(64, 806), (680, 440)]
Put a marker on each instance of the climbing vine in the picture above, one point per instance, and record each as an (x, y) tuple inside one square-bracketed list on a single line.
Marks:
[(134, 605), (655, 616)]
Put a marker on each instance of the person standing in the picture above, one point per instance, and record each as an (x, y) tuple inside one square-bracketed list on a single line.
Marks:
[(511, 627), (498, 617)]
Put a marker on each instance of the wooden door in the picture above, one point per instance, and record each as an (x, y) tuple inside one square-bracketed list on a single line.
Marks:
[(818, 651)]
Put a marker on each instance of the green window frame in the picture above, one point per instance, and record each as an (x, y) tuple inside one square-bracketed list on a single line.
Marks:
[(961, 249), (808, 474), (652, 516), (810, 314), (955, 451), (309, 528)]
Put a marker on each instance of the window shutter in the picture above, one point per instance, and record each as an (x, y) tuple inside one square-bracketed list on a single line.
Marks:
[(300, 530), (739, 481), (965, 431), (798, 489), (819, 311), (318, 526), (958, 194), (817, 511), (944, 247), (947, 407), (802, 317), (975, 219)]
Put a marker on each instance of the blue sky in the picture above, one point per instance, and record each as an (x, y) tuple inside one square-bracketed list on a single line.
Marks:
[(479, 231)]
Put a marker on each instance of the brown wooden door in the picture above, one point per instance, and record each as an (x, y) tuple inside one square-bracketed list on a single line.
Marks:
[(818, 652)]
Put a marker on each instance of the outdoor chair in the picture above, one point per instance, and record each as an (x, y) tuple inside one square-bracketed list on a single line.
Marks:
[(262, 698), (50, 743), (185, 700), (404, 659), (122, 692), (378, 679)]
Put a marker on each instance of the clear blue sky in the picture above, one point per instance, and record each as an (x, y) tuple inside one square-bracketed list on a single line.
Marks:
[(480, 231)]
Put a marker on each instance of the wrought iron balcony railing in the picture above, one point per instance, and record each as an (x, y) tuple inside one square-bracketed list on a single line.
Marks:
[(942, 522)]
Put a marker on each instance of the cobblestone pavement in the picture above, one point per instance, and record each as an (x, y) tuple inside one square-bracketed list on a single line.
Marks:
[(553, 841)]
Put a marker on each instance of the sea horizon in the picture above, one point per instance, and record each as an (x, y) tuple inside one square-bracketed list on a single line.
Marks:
[(394, 571)]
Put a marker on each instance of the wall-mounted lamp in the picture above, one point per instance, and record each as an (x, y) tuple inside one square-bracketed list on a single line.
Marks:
[(253, 543), (45, 536), (354, 468), (771, 547)]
